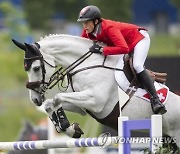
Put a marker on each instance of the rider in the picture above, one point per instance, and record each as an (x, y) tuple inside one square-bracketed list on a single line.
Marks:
[(121, 38)]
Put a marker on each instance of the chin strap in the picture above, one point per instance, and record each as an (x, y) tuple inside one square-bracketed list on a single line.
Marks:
[(95, 26)]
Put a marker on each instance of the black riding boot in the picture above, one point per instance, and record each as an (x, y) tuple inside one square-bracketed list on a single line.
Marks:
[(146, 81)]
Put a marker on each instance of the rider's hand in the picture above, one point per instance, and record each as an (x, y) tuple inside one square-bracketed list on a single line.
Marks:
[(96, 49)]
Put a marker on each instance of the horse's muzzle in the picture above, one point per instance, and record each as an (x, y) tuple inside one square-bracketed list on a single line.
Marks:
[(33, 85)]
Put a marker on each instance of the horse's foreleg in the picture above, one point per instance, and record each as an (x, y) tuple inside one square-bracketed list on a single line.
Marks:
[(84, 99), (57, 115), (60, 121), (73, 108)]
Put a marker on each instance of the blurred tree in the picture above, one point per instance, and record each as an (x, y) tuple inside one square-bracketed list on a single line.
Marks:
[(115, 10), (14, 23), (69, 8), (177, 3), (14, 27), (39, 12)]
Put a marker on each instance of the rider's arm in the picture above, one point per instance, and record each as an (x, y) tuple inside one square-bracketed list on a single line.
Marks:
[(120, 46)]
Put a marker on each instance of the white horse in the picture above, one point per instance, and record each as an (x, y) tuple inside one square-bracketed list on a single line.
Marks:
[(92, 87)]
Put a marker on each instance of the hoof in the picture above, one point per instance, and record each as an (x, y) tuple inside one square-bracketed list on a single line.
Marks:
[(74, 131), (78, 131)]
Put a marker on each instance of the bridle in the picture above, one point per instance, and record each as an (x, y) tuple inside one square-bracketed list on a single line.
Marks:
[(61, 73), (41, 85)]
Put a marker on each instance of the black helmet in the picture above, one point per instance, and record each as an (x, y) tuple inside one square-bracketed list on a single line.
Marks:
[(89, 13)]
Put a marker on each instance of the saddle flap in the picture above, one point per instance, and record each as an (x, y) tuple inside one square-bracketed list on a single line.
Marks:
[(123, 97), (131, 74)]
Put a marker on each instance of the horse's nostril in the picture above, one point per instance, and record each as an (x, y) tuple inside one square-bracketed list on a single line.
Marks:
[(37, 102)]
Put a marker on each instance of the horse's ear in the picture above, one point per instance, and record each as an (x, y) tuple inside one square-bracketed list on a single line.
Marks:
[(20, 45), (31, 48)]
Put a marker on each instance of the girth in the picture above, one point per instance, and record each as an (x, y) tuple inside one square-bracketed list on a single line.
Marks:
[(110, 120)]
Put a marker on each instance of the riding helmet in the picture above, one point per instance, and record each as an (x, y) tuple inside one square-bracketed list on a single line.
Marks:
[(89, 13)]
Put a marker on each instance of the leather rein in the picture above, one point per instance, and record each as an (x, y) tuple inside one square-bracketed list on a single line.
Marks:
[(61, 73)]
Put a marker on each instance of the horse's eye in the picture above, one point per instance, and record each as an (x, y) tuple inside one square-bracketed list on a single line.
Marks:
[(36, 69)]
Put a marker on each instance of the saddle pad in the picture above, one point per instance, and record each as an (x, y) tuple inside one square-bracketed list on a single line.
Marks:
[(162, 91), (123, 82)]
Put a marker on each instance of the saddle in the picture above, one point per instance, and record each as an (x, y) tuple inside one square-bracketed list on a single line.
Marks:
[(132, 77)]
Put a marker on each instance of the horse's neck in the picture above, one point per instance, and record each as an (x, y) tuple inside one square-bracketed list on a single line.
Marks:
[(65, 50)]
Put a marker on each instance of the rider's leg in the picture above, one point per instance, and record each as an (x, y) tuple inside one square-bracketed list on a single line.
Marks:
[(139, 57), (147, 82)]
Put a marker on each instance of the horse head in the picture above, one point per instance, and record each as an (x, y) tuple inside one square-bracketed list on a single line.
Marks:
[(36, 65), (42, 57)]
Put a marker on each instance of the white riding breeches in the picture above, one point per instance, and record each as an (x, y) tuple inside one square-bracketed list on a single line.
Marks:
[(140, 52)]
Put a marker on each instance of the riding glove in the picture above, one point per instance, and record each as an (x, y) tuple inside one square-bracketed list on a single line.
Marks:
[(96, 49)]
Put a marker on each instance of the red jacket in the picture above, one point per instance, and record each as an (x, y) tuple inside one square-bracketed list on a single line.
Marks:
[(120, 38)]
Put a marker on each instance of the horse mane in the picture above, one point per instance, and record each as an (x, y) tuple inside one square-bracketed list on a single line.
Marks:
[(61, 36)]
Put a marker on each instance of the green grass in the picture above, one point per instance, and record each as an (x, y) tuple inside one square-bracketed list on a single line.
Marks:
[(165, 45), (12, 113), (12, 73)]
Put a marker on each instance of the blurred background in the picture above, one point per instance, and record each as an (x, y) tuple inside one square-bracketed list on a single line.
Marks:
[(28, 20)]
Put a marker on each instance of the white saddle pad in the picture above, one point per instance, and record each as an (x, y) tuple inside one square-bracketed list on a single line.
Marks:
[(162, 90)]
